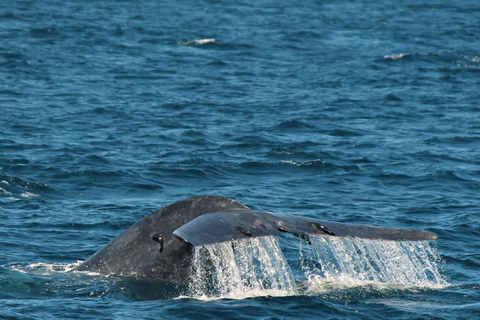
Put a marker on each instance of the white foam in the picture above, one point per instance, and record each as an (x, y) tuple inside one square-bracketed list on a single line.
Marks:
[(396, 56), (5, 192), (43, 268), (29, 195), (197, 42)]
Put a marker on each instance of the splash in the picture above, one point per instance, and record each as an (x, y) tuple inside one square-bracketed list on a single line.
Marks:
[(241, 269)]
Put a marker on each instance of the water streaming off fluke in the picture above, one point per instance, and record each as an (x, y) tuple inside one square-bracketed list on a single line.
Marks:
[(258, 267), (352, 262), (240, 269)]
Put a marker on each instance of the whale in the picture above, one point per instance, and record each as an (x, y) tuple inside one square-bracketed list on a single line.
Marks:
[(160, 246)]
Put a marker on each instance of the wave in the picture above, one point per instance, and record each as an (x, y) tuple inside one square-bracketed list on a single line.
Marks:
[(201, 43), (454, 59), (13, 187)]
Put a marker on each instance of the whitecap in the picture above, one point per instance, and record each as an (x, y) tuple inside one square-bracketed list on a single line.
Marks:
[(396, 56), (198, 42)]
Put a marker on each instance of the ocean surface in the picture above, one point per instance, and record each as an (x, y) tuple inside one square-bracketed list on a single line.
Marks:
[(363, 112)]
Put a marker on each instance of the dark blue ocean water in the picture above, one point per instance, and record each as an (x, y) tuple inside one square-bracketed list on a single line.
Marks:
[(355, 111)]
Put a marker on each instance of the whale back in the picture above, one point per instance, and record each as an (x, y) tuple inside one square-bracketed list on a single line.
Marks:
[(148, 248)]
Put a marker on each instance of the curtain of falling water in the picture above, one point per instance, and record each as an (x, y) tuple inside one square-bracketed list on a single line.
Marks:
[(257, 266), (353, 261), (240, 269)]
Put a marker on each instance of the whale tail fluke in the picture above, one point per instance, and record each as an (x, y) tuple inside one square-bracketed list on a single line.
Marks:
[(226, 226)]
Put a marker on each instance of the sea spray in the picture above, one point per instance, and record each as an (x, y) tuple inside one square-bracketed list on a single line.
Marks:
[(240, 269)]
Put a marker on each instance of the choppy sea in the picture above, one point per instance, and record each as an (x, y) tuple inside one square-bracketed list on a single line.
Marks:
[(362, 111)]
